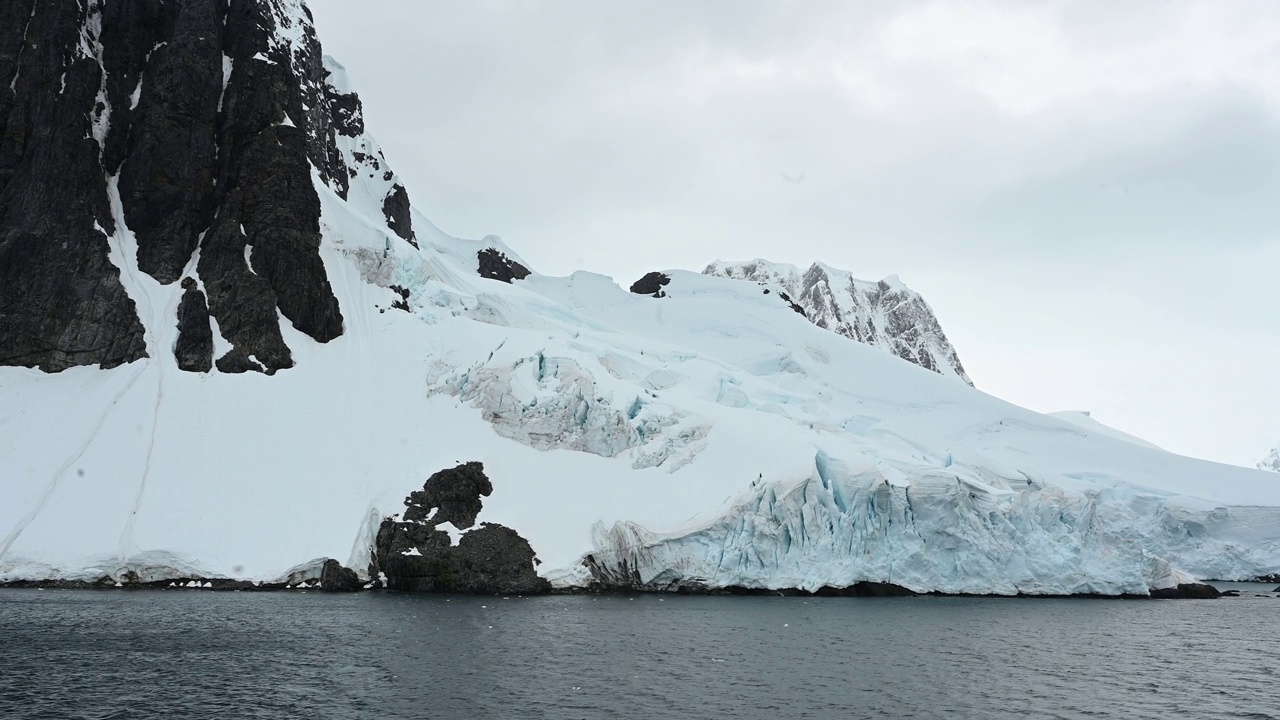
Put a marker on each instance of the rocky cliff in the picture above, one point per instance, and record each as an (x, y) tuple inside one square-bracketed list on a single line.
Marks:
[(175, 139), (885, 314)]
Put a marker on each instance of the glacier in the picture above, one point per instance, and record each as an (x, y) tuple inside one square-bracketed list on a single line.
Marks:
[(710, 438)]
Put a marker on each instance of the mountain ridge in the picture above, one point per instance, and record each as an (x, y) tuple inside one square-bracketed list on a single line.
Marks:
[(885, 314)]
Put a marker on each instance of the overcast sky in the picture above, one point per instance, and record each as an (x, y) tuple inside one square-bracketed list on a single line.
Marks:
[(1088, 194)]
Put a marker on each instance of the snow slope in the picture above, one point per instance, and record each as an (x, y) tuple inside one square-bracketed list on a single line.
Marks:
[(1084, 420)]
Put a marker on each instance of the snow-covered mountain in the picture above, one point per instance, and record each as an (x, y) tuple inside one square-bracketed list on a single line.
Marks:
[(1272, 461), (885, 314), (712, 437)]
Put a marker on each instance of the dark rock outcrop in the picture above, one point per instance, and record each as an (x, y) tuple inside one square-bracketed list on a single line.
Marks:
[(206, 117), (652, 284), (790, 303), (347, 116), (267, 141), (403, 302), (62, 302), (495, 265), (194, 349), (170, 54), (866, 589), (1192, 591), (395, 208), (416, 556), (337, 579), (455, 496)]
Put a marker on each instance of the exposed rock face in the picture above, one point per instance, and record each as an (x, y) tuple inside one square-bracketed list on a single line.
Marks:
[(204, 119), (61, 300), (885, 314), (194, 350), (1188, 591), (396, 209), (454, 496), (335, 578), (1272, 461), (165, 143), (652, 284), (417, 556), (403, 302), (495, 265), (867, 588)]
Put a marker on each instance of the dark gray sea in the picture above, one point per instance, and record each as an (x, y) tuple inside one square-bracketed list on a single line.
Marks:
[(190, 654)]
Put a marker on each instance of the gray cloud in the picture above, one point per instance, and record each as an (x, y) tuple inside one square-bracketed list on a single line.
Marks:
[(1084, 191)]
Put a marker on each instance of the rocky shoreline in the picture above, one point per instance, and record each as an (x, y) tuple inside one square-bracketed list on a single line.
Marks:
[(436, 547), (1191, 591)]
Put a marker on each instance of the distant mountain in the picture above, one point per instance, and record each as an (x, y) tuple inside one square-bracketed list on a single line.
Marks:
[(886, 314), (1272, 461)]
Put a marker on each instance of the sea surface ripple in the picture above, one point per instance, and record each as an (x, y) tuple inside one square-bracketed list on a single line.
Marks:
[(150, 654)]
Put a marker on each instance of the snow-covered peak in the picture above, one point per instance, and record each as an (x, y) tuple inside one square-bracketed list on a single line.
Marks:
[(1272, 461), (885, 314)]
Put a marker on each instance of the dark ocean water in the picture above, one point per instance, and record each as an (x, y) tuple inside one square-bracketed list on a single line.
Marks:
[(124, 654)]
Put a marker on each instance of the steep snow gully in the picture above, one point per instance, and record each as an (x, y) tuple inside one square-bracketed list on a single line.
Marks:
[(752, 427)]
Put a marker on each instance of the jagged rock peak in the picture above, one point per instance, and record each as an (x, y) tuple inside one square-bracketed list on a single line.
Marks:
[(1272, 461), (885, 314), (174, 138)]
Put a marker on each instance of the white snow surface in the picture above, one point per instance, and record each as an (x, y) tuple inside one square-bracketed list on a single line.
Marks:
[(1084, 420), (711, 437)]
